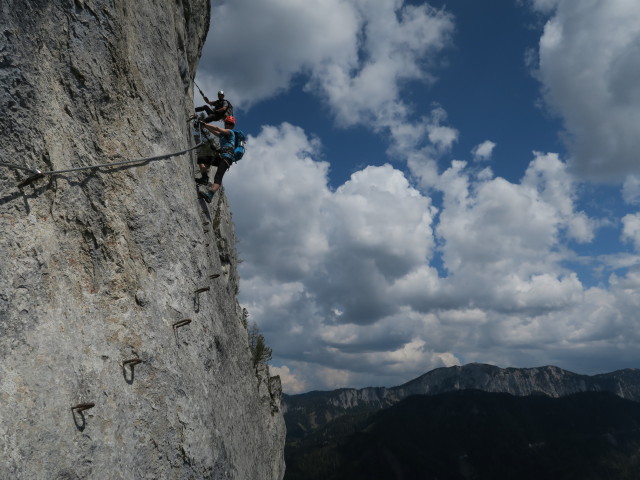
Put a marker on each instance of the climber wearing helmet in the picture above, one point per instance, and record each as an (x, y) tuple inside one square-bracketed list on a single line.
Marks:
[(223, 159), (221, 109)]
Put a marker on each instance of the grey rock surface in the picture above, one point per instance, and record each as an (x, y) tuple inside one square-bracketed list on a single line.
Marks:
[(100, 267)]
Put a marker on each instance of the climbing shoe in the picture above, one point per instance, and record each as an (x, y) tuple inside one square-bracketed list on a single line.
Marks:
[(202, 180), (206, 196)]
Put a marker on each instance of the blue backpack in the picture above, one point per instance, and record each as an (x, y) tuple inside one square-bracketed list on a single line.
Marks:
[(238, 150)]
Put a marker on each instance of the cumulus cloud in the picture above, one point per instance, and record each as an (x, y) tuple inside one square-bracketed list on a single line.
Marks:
[(483, 151), (423, 143), (396, 43), (280, 236), (631, 189), (317, 283), (631, 229), (589, 62), (372, 230), (544, 6), (380, 231), (500, 239), (344, 283)]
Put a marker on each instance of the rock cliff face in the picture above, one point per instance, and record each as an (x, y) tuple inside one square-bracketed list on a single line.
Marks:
[(99, 269)]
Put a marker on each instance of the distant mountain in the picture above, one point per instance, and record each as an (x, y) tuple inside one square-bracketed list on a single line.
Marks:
[(475, 435), (307, 412)]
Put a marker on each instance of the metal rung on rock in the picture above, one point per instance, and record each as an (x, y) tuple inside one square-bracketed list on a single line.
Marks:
[(203, 289), (182, 323), (83, 406), (133, 362)]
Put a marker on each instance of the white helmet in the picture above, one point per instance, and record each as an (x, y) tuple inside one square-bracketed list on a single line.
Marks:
[(220, 92)]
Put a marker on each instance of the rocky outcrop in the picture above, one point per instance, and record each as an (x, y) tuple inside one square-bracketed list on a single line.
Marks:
[(309, 411), (118, 286)]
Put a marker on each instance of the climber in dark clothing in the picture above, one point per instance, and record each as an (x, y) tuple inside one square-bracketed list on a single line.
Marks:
[(221, 109), (222, 160)]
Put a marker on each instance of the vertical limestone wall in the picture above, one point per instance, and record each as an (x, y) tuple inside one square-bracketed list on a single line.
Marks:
[(98, 268)]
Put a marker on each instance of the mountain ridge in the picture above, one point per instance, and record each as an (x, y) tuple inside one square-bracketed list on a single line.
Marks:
[(309, 411)]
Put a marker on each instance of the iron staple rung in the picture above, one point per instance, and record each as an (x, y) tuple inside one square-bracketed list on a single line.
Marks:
[(83, 406), (182, 323)]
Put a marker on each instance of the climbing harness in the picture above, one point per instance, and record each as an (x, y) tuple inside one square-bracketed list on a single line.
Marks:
[(36, 174)]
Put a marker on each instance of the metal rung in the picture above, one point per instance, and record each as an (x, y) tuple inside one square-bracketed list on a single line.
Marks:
[(83, 406), (203, 289), (132, 362), (182, 323)]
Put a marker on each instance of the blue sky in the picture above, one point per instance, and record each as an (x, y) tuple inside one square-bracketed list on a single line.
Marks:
[(434, 183)]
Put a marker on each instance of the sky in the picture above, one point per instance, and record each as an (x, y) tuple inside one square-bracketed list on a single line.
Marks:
[(434, 183)]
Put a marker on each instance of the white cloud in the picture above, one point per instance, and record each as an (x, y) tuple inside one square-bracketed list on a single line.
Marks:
[(500, 241), (375, 222), (589, 59), (493, 221), (344, 285), (396, 41), (631, 229), (383, 193), (280, 236), (545, 6), (381, 230), (442, 137), (315, 260), (483, 151), (631, 189), (550, 178), (422, 156)]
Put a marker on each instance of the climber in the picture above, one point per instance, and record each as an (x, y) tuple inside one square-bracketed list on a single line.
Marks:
[(208, 147), (222, 160), (221, 109)]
